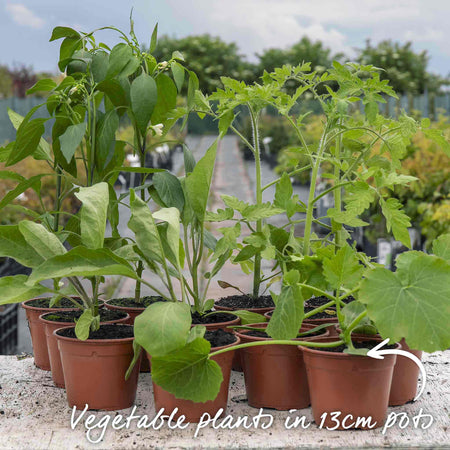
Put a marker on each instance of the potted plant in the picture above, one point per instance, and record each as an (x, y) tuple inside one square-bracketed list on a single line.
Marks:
[(158, 240), (358, 156)]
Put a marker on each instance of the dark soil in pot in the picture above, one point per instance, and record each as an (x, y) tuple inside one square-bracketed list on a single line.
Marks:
[(194, 411), (245, 302), (34, 308), (94, 370), (323, 300), (369, 344), (59, 319), (353, 385), (104, 332), (329, 313), (44, 303), (215, 321), (220, 338), (275, 375), (106, 315), (130, 302)]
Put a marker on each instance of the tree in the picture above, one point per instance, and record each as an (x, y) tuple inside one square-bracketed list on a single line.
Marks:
[(304, 50), (5, 82), (405, 69), (209, 57)]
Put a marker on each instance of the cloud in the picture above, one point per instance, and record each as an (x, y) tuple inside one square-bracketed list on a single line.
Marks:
[(24, 16)]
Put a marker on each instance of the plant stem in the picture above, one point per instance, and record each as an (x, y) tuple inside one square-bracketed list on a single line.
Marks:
[(259, 224), (312, 191), (57, 199), (140, 266), (352, 326), (336, 227), (278, 342)]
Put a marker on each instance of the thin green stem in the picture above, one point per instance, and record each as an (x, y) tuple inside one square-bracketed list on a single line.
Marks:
[(312, 191), (294, 172), (278, 342), (259, 223)]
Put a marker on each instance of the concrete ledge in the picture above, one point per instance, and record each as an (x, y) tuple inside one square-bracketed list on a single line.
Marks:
[(34, 415)]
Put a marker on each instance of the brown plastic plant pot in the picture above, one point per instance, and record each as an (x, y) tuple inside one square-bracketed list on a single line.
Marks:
[(356, 386), (405, 376), (36, 327), (275, 375), (404, 380), (94, 372), (52, 345), (133, 312), (193, 411)]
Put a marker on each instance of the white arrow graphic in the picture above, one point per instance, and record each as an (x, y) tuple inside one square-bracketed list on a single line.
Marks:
[(377, 353)]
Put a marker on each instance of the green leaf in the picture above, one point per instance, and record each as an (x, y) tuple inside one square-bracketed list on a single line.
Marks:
[(14, 290), (396, 220), (137, 350), (163, 327), (198, 183), (188, 373), (33, 182), (169, 189), (172, 217), (288, 315), (178, 75), (412, 303), (143, 225), (45, 243), (225, 121), (83, 325), (67, 49), (246, 253), (189, 160), (219, 216), (154, 39), (192, 88), (118, 59), (144, 96), (99, 66), (43, 85), (438, 137), (257, 212), (283, 191), (115, 92), (371, 110), (352, 311), (107, 126), (234, 203), (167, 99), (196, 332), (358, 197), (441, 247), (248, 317), (14, 245), (43, 149), (71, 139), (62, 32), (82, 261), (28, 138), (343, 269), (94, 211)]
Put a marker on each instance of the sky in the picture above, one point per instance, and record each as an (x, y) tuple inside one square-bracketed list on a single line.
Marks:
[(342, 25)]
